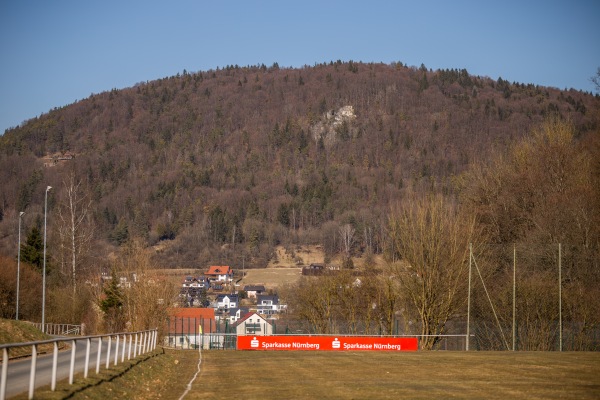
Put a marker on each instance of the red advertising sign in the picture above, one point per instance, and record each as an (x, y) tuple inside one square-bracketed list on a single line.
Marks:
[(333, 343)]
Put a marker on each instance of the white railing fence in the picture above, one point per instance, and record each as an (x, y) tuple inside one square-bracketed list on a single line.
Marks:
[(132, 343), (60, 329)]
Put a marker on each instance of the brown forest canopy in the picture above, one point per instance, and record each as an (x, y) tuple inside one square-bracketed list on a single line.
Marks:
[(216, 166)]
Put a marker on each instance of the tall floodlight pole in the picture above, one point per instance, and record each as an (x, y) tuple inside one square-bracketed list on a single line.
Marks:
[(19, 264), (44, 268), (469, 298)]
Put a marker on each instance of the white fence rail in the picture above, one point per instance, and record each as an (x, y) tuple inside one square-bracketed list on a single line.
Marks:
[(132, 343), (60, 329)]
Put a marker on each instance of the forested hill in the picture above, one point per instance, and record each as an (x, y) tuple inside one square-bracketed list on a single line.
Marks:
[(216, 166)]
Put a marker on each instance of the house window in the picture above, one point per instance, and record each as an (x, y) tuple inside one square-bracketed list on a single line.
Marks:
[(253, 328)]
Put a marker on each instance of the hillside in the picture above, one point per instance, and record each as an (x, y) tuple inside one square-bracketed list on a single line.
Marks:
[(12, 331), (221, 166)]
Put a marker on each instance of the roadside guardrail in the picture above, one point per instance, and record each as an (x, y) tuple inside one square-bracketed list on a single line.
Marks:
[(132, 343)]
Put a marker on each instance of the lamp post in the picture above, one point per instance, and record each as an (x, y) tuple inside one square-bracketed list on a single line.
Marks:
[(44, 268), (19, 263)]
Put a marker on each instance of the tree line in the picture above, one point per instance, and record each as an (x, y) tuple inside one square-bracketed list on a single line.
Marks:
[(528, 219)]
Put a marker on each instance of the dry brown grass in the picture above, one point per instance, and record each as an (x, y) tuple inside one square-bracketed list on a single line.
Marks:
[(354, 375), (12, 331), (345, 375), (157, 375), (296, 256), (272, 278)]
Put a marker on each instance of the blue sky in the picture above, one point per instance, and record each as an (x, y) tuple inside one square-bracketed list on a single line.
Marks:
[(54, 53)]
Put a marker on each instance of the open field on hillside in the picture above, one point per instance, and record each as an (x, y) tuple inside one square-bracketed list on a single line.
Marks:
[(272, 278), (284, 268), (296, 256), (347, 375), (177, 275)]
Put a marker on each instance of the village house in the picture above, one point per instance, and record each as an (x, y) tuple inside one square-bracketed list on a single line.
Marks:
[(190, 327), (313, 269), (253, 324), (193, 282), (254, 290), (234, 314), (319, 269), (227, 301), (192, 289), (269, 305), (220, 274), (125, 281)]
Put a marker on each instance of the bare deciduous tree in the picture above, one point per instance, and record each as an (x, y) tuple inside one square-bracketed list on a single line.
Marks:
[(347, 235), (433, 239), (542, 193), (146, 294), (76, 227)]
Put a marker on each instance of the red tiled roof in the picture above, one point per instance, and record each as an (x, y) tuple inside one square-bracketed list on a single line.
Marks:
[(189, 320), (192, 312), (191, 326), (218, 270)]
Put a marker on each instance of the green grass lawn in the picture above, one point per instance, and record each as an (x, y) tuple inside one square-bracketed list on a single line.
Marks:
[(345, 375)]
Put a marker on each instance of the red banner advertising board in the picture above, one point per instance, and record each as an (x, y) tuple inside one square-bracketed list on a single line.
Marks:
[(332, 343)]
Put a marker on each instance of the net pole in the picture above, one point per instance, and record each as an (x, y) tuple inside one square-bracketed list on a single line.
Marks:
[(560, 344), (514, 321), (469, 298)]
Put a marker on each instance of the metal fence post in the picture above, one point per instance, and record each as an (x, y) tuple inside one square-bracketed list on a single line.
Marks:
[(54, 366), (129, 351), (72, 369), (4, 373), (124, 346), (108, 351), (32, 372), (87, 357), (117, 349), (99, 357)]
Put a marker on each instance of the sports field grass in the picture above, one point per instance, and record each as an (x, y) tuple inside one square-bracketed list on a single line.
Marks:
[(418, 375), (165, 374)]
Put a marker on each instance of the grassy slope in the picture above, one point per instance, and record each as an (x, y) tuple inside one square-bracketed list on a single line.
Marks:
[(12, 331)]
